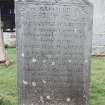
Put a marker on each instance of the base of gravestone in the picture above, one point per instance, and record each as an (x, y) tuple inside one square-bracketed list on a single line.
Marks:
[(2, 62), (6, 62)]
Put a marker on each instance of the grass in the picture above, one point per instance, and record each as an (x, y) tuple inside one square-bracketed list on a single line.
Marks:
[(8, 88), (98, 81)]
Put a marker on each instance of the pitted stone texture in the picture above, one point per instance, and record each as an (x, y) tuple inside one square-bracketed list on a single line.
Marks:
[(55, 38)]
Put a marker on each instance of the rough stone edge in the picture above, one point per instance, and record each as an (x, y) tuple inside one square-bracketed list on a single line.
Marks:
[(88, 3), (85, 1)]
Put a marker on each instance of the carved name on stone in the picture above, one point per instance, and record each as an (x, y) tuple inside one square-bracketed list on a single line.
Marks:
[(53, 51)]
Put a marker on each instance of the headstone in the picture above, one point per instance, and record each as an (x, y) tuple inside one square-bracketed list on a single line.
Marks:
[(2, 51), (53, 51)]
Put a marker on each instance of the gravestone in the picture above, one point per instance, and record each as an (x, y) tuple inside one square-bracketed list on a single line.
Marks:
[(53, 51), (2, 51)]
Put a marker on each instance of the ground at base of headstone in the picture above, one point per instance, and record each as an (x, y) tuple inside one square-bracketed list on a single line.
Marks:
[(2, 62), (7, 62), (99, 55)]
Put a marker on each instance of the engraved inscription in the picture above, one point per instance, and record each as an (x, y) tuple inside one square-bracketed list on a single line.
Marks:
[(52, 52)]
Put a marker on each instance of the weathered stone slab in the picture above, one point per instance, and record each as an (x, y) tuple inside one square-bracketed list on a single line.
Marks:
[(2, 51), (53, 51)]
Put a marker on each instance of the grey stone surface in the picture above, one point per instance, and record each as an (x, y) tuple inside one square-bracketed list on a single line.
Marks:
[(98, 27), (54, 40), (9, 39), (2, 51), (98, 45)]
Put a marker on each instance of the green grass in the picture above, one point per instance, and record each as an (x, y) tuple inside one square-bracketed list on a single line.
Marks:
[(98, 81), (8, 88)]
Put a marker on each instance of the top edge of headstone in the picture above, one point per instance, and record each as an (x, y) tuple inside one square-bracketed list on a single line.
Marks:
[(84, 2)]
